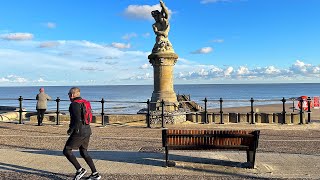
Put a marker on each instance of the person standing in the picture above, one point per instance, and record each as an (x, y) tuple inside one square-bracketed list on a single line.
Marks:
[(41, 107), (80, 133)]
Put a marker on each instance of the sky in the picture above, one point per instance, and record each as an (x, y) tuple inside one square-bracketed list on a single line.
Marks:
[(107, 42)]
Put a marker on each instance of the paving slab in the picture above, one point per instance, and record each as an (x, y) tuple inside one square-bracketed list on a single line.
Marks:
[(193, 163)]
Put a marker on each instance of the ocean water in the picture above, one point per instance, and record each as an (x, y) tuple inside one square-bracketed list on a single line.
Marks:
[(128, 98)]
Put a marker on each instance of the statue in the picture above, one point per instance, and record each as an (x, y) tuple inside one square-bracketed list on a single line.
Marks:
[(161, 28)]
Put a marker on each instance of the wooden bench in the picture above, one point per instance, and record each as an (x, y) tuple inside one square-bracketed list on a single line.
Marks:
[(243, 140)]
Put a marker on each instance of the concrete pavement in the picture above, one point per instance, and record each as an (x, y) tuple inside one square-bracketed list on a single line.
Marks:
[(193, 163)]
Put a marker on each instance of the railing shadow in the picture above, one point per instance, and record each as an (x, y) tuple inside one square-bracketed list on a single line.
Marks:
[(27, 171)]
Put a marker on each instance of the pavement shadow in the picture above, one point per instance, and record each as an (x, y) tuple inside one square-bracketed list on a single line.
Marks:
[(28, 171), (144, 158), (156, 159)]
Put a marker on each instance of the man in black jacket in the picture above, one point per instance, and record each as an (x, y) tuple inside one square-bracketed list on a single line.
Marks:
[(79, 138)]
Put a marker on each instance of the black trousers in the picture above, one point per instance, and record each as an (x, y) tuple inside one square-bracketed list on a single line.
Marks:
[(40, 115), (80, 143)]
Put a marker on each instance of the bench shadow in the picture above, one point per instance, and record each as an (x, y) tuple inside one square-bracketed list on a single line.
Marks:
[(154, 159)]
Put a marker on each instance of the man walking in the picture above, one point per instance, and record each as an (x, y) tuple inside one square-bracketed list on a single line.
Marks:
[(80, 133), (41, 107)]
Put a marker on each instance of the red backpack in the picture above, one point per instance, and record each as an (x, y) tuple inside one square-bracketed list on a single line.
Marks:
[(86, 111)]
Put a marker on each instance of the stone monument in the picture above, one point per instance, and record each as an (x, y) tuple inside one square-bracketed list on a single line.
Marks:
[(163, 58)]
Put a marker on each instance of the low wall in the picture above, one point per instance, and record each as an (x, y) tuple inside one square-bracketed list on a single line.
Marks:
[(291, 118), (8, 108), (112, 118)]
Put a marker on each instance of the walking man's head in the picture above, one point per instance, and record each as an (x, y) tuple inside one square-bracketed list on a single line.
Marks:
[(73, 93), (41, 89)]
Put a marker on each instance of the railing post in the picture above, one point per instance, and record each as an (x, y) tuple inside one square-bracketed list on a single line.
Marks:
[(309, 109), (252, 112), (20, 109), (58, 110), (301, 110), (102, 111), (205, 111), (148, 114), (292, 105), (162, 113), (221, 112), (283, 110)]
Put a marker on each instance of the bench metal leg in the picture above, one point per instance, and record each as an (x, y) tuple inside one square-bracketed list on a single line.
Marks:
[(251, 157), (169, 163)]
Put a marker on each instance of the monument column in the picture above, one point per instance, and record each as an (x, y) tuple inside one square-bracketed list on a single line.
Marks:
[(163, 80), (163, 58)]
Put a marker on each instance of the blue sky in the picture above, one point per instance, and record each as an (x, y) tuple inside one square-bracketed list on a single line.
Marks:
[(101, 42)]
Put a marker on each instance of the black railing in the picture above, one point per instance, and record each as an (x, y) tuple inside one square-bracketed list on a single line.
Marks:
[(161, 106)]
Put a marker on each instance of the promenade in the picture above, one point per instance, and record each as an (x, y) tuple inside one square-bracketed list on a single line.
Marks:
[(131, 151)]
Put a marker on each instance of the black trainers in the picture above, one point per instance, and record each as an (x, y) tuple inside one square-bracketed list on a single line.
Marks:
[(94, 176), (79, 174)]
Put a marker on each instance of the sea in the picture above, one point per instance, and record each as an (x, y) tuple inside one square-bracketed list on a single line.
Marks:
[(129, 99)]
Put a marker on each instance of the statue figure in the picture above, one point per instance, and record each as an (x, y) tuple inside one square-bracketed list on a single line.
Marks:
[(161, 28)]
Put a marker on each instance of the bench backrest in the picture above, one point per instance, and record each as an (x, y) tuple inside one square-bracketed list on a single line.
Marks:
[(210, 139)]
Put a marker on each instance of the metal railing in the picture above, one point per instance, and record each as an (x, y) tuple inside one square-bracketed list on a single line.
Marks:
[(161, 106)]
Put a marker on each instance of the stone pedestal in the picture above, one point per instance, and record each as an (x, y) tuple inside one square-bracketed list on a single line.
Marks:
[(163, 63)]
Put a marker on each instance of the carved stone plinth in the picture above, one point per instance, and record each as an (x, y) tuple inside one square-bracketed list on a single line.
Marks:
[(163, 63)]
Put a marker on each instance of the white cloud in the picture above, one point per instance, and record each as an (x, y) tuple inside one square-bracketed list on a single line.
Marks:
[(129, 36), (94, 63), (13, 79), (194, 72), (90, 44), (2, 80), (301, 67), (145, 76), (228, 71), (89, 68), (204, 50), (145, 66), (108, 57), (49, 44), (316, 70), (272, 70), (120, 45), (145, 35), (242, 71), (17, 36), (218, 40), (142, 11), (85, 61), (51, 25), (40, 80)]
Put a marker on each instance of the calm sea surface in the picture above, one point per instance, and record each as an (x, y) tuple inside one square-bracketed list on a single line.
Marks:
[(232, 94)]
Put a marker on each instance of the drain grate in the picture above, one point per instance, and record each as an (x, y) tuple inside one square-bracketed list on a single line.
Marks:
[(151, 149)]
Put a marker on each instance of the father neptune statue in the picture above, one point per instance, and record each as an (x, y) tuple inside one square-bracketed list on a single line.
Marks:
[(163, 59), (161, 28)]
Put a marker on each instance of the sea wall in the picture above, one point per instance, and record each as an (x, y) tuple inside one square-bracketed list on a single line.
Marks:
[(111, 118)]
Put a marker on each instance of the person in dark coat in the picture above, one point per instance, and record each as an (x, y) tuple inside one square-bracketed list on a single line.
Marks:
[(79, 138)]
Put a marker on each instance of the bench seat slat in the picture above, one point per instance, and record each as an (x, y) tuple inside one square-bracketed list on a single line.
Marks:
[(211, 135), (206, 147)]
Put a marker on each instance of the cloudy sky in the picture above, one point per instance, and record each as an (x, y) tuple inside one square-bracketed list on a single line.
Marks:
[(101, 42)]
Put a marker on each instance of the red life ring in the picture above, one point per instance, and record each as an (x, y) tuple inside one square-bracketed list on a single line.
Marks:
[(304, 103)]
